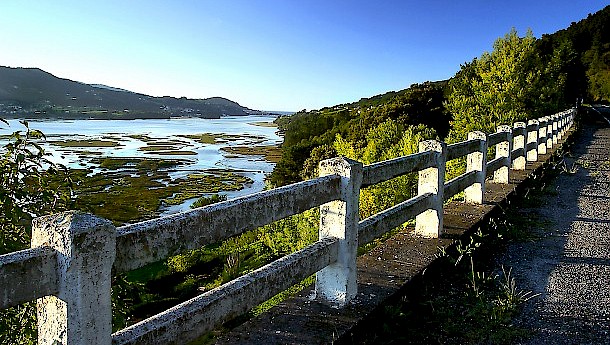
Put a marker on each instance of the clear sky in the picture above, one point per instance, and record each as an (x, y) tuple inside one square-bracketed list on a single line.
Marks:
[(266, 54)]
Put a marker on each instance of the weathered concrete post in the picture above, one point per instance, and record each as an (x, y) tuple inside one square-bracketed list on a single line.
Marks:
[(532, 141), (549, 132), (520, 130), (81, 312), (432, 180), (337, 283), (503, 149), (555, 129), (542, 136), (477, 162), (559, 126), (568, 120)]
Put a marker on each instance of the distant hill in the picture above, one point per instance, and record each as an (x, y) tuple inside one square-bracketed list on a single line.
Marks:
[(34, 93)]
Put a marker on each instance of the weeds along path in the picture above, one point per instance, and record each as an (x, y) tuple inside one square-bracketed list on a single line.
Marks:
[(568, 261)]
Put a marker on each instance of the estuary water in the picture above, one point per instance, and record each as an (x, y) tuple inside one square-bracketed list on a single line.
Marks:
[(73, 143)]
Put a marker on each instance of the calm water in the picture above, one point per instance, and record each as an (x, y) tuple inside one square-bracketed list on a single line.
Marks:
[(240, 130)]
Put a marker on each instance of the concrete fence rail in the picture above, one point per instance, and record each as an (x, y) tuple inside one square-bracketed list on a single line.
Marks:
[(68, 270)]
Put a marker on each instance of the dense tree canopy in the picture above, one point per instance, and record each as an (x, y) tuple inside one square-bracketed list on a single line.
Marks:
[(521, 78), (386, 141), (511, 83), (309, 135)]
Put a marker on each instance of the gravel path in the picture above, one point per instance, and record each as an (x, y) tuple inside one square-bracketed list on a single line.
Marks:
[(569, 265)]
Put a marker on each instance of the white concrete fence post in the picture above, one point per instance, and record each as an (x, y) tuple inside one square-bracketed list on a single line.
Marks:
[(532, 140), (504, 149), (542, 136), (337, 283), (555, 129), (477, 162), (432, 180), (549, 132), (519, 133), (81, 313)]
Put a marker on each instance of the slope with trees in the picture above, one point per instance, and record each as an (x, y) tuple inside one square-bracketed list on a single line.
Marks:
[(309, 135), (35, 93), (521, 78)]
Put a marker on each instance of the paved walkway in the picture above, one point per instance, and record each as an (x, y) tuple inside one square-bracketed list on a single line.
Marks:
[(569, 266)]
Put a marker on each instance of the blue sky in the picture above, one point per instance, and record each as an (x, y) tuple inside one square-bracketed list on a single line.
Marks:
[(266, 54)]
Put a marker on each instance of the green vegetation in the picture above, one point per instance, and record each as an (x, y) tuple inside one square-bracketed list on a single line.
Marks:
[(205, 138), (521, 78), (588, 76), (156, 287), (507, 85), (26, 191), (136, 188), (264, 124), (208, 200), (386, 141), (309, 135), (271, 153), (197, 184)]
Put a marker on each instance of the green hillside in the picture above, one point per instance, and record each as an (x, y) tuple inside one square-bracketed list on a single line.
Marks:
[(521, 78), (35, 93)]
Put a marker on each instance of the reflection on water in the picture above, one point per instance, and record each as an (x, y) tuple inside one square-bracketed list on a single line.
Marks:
[(162, 139)]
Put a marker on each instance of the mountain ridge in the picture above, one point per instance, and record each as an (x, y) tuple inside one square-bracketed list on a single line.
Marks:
[(35, 93)]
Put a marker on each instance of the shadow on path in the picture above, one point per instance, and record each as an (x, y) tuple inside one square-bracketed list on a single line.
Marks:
[(569, 265)]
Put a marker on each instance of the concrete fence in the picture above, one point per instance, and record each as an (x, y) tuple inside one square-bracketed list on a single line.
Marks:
[(73, 256)]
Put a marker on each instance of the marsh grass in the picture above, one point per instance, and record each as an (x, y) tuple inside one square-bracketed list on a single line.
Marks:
[(271, 153), (134, 189)]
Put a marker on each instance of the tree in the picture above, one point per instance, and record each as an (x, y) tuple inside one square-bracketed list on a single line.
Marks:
[(512, 83), (493, 89), (30, 186), (386, 141), (598, 73)]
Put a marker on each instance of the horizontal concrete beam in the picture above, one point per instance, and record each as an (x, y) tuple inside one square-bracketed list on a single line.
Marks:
[(518, 131), (154, 240), (517, 153), (389, 219), (532, 146), (462, 148), (498, 137), (386, 170), (495, 164), (27, 275), (458, 184), (195, 317)]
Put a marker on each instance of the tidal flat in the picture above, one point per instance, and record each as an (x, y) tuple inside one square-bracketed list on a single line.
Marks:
[(135, 189), (271, 153), (132, 170)]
